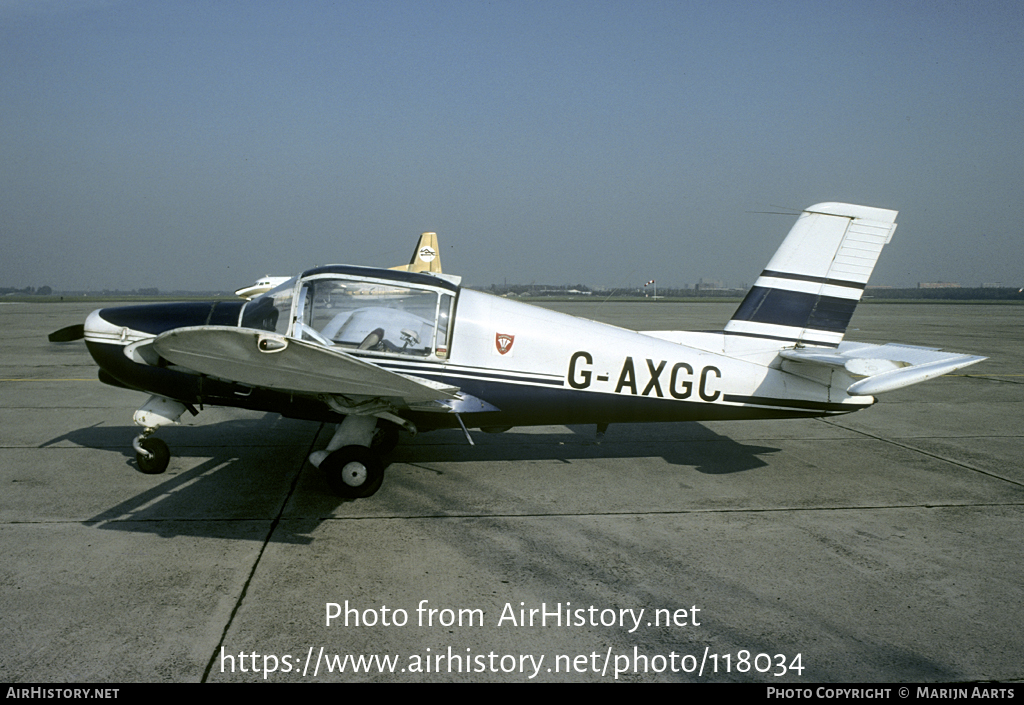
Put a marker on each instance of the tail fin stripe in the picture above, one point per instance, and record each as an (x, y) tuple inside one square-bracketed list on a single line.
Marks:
[(838, 292), (796, 309), (815, 280)]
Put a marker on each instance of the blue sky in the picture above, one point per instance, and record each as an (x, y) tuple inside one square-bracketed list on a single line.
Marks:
[(199, 145)]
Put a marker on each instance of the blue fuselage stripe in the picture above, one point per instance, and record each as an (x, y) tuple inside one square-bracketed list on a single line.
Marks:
[(452, 375)]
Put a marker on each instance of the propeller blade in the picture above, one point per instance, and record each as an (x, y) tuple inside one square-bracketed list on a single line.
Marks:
[(66, 335)]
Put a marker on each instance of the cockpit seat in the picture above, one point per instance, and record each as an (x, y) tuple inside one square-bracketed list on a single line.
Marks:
[(359, 326), (372, 340)]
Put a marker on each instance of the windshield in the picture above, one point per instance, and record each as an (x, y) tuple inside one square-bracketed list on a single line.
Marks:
[(270, 311)]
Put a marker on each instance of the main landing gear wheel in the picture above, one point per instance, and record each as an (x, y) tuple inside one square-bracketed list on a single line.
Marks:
[(353, 471), (161, 456)]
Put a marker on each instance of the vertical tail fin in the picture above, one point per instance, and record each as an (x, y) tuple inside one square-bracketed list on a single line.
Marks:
[(426, 257), (812, 284)]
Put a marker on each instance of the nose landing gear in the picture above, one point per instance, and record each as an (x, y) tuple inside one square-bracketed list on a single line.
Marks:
[(152, 454)]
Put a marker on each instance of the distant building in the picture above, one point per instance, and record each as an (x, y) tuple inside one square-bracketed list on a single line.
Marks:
[(937, 285), (707, 284)]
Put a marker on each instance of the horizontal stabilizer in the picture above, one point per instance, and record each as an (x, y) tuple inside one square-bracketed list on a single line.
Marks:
[(884, 367), (261, 359)]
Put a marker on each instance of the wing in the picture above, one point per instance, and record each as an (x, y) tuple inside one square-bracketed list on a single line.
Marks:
[(884, 367), (261, 359)]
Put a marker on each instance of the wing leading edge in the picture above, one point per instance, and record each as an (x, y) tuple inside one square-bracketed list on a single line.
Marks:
[(261, 359)]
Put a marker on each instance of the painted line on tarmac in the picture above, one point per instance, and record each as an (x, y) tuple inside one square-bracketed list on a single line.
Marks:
[(53, 379)]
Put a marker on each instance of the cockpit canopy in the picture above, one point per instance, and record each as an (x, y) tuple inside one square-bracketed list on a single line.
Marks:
[(359, 308)]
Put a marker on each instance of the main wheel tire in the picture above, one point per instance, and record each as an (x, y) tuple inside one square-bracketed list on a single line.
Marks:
[(354, 471), (161, 456)]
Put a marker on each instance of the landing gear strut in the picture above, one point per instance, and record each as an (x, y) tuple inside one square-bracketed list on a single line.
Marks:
[(152, 454)]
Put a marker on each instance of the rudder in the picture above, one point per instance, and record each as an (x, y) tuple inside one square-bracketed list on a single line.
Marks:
[(810, 288)]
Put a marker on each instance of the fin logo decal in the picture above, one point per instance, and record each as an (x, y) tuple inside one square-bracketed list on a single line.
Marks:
[(427, 254), (503, 342)]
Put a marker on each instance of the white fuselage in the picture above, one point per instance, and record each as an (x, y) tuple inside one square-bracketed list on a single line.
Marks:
[(503, 341)]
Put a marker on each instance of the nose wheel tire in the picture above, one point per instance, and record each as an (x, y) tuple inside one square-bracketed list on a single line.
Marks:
[(160, 456), (353, 471)]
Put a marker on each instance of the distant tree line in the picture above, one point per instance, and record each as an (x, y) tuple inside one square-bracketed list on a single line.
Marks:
[(987, 293), (527, 290), (27, 291)]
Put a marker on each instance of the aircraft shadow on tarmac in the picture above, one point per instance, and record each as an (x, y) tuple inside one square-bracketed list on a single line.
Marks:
[(248, 468), (690, 445)]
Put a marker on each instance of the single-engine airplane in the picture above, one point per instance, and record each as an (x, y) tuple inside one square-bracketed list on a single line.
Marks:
[(378, 350)]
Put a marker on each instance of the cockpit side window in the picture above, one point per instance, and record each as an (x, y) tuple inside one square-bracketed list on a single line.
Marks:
[(444, 328)]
